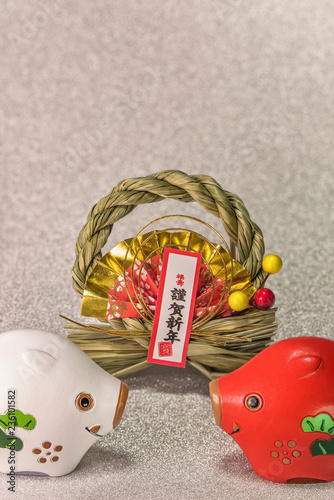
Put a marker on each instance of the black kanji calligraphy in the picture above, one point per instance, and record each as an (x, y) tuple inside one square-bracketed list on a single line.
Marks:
[(178, 294), (173, 322), (172, 336), (177, 309)]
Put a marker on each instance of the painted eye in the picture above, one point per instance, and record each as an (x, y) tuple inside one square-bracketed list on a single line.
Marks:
[(254, 402), (84, 402)]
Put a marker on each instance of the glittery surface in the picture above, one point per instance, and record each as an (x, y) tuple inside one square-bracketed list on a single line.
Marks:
[(95, 92)]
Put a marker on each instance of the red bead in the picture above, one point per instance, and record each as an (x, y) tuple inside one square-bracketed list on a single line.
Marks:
[(264, 299)]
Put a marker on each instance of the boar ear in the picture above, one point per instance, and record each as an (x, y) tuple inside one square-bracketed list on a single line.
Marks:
[(39, 361), (304, 365)]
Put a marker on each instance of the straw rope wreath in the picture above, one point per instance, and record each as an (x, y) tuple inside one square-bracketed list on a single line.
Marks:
[(124, 354)]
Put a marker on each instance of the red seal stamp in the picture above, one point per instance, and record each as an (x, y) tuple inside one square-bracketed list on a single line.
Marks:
[(165, 349)]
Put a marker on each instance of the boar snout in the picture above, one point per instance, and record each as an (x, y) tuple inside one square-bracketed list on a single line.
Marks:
[(215, 401), (123, 395)]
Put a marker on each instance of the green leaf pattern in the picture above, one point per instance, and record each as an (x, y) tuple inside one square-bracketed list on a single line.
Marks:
[(14, 418), (320, 423)]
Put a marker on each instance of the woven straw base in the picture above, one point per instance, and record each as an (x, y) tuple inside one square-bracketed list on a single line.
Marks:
[(213, 355)]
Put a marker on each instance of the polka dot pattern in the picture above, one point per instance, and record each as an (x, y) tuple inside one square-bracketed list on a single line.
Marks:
[(284, 451), (46, 445)]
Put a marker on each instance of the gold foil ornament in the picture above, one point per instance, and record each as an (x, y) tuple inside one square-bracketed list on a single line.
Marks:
[(110, 292)]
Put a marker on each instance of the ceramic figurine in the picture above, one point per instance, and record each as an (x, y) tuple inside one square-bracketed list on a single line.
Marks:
[(55, 403), (279, 408)]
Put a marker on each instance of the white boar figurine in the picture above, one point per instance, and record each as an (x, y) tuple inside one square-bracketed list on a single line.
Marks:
[(55, 402)]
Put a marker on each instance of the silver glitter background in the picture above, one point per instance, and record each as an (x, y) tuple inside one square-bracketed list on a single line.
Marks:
[(95, 92)]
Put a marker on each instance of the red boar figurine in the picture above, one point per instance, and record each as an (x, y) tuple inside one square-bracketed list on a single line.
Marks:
[(279, 408)]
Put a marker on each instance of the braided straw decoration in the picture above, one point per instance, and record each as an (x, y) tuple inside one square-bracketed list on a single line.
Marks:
[(243, 232)]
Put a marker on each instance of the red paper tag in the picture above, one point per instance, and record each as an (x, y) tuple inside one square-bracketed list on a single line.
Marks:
[(175, 308)]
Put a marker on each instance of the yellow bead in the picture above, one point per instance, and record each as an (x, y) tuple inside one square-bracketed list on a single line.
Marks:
[(272, 264), (238, 301)]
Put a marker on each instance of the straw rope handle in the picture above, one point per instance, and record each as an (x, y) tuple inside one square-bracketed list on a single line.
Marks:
[(124, 197)]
